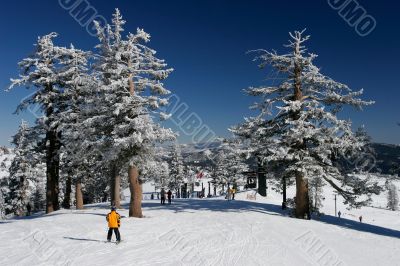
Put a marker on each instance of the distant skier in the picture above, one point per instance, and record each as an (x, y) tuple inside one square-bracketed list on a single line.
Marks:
[(113, 219), (28, 209), (360, 218), (228, 193), (169, 193), (233, 193), (162, 196), (339, 213)]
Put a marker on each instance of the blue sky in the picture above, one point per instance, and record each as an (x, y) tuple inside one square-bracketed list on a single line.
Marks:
[(206, 43)]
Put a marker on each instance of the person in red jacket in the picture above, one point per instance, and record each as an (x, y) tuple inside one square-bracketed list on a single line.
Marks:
[(169, 194), (114, 222)]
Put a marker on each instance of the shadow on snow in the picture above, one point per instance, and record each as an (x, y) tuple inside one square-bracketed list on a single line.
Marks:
[(238, 206), (221, 205), (83, 239)]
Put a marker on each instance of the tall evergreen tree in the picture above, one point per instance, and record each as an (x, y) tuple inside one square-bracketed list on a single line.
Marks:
[(230, 164), (298, 125), (40, 73), (392, 197), (129, 96), (2, 204), (21, 171), (176, 175), (78, 160)]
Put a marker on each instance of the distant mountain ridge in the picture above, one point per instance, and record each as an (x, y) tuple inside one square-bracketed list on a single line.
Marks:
[(386, 158), (387, 155)]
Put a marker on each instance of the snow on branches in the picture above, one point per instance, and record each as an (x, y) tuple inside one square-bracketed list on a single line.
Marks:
[(297, 124)]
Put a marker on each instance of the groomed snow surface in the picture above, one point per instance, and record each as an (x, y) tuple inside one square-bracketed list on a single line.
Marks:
[(205, 232)]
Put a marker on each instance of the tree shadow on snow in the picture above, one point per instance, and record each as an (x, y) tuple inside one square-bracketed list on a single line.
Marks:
[(92, 213), (216, 205), (36, 215), (362, 227), (238, 206)]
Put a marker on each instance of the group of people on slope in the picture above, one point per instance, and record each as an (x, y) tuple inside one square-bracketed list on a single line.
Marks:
[(169, 196), (230, 193), (359, 218), (114, 218)]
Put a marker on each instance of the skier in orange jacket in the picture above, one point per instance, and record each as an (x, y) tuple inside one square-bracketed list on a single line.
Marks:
[(114, 222)]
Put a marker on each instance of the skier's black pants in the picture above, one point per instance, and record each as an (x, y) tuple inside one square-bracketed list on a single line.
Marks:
[(169, 200), (116, 232), (162, 200)]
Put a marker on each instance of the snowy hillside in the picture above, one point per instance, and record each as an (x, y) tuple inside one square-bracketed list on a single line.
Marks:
[(205, 232)]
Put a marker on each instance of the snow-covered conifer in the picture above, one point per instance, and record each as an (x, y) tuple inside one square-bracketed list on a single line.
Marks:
[(2, 205), (78, 160), (21, 172), (297, 124), (176, 175), (130, 94), (392, 197), (39, 72), (230, 164)]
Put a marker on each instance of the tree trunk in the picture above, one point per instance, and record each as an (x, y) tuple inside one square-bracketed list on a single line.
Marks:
[(302, 198), (112, 188), (135, 186), (117, 191), (115, 188), (131, 84), (284, 193), (78, 195), (67, 197), (262, 180), (52, 170)]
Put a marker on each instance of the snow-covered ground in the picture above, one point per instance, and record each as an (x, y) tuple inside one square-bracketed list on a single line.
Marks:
[(204, 232)]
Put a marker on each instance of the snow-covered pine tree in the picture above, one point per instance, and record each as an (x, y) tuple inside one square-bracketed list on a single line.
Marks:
[(155, 169), (392, 197), (316, 185), (38, 196), (364, 159), (78, 160), (21, 171), (279, 178), (4, 173), (230, 164), (176, 169), (297, 124), (129, 96), (40, 73), (2, 205)]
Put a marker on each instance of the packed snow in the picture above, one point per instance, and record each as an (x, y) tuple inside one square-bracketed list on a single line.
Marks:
[(205, 232)]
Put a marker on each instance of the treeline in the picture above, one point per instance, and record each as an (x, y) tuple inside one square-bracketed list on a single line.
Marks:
[(98, 115)]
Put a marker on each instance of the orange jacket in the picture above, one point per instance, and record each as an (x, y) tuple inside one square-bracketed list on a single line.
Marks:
[(113, 219)]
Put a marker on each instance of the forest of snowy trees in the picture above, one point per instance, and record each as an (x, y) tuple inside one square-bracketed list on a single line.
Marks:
[(100, 129)]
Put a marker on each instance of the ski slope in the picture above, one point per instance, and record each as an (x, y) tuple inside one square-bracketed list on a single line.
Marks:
[(203, 232)]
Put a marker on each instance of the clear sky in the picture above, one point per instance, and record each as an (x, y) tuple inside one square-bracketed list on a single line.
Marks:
[(206, 42)]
